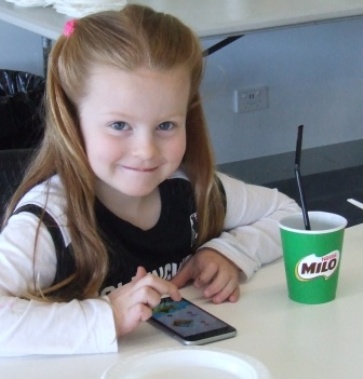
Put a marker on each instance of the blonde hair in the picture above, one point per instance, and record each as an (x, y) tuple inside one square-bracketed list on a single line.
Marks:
[(134, 37)]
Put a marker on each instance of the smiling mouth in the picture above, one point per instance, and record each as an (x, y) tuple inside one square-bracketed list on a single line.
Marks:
[(141, 169)]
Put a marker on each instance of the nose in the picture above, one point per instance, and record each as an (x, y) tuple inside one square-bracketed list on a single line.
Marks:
[(145, 146)]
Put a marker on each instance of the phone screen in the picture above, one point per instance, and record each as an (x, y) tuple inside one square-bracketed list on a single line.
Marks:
[(190, 323)]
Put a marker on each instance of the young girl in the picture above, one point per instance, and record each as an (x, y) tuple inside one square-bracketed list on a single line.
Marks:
[(121, 204)]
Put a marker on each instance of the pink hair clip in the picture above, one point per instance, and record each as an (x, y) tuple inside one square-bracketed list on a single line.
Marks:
[(69, 28)]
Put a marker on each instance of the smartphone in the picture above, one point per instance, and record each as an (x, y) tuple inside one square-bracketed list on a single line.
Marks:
[(189, 323)]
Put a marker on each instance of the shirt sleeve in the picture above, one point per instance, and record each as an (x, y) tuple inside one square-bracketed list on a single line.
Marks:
[(37, 327), (251, 235)]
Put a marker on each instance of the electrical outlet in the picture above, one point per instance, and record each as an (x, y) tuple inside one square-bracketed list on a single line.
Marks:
[(248, 100)]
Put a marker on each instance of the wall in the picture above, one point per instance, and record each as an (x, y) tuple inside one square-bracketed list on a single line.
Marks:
[(20, 50), (314, 75)]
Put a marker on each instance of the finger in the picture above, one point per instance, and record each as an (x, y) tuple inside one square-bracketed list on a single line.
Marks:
[(206, 275), (184, 275), (145, 313), (218, 284), (235, 295), (229, 292), (147, 296), (161, 286), (221, 297), (140, 273), (138, 313), (224, 280)]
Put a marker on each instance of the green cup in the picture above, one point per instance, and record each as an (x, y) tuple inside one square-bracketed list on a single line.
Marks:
[(312, 257)]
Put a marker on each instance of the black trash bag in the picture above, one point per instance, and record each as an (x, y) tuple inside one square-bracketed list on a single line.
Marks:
[(13, 164), (21, 109)]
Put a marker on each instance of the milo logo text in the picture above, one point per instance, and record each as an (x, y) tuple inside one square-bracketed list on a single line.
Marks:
[(312, 266)]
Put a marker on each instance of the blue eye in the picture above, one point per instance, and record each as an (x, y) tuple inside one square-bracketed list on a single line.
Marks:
[(167, 125), (119, 125)]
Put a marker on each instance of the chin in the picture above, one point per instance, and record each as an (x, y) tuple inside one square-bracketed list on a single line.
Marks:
[(136, 191)]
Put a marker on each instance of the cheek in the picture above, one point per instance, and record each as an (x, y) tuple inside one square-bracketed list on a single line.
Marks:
[(105, 152), (101, 150), (177, 149)]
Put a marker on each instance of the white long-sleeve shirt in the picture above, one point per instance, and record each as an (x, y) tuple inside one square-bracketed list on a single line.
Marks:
[(250, 239)]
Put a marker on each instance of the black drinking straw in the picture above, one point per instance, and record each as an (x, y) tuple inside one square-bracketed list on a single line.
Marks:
[(298, 177)]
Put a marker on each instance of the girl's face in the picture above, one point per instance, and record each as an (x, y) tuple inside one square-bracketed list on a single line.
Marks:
[(133, 125)]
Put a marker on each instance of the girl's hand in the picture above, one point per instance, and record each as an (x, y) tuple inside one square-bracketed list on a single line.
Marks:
[(211, 270), (133, 302)]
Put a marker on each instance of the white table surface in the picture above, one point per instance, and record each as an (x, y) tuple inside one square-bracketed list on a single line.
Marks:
[(207, 17), (293, 340)]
